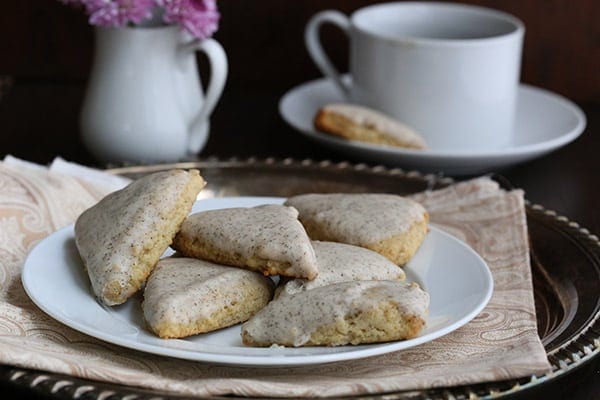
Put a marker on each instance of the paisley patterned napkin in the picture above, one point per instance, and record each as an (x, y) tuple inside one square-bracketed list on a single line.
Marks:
[(500, 343)]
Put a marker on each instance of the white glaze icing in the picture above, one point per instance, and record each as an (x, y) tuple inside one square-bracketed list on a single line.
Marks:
[(293, 318), (359, 218), (184, 290), (268, 232), (378, 121), (114, 234), (340, 262)]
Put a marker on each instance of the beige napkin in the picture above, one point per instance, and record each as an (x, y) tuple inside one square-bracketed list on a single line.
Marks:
[(500, 343)]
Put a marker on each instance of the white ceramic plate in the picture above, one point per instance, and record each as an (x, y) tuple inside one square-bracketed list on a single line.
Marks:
[(458, 280), (545, 122)]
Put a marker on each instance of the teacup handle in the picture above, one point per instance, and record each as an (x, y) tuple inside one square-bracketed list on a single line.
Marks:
[(313, 45), (218, 75)]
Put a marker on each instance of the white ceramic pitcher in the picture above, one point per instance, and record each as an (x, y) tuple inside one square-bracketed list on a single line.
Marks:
[(144, 101)]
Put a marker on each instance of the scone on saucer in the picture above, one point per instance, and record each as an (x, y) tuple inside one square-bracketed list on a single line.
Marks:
[(121, 238), (339, 314), (187, 296), (340, 262), (390, 225), (354, 122), (267, 238)]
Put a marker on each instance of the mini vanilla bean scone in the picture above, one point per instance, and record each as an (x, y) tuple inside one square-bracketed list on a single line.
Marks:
[(267, 238), (187, 296), (388, 224), (121, 238), (341, 313), (339, 262), (364, 124)]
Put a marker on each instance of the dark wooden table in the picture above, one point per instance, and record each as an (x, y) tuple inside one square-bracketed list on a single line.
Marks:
[(38, 121)]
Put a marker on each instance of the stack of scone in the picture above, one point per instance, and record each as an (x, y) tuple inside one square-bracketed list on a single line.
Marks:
[(338, 258)]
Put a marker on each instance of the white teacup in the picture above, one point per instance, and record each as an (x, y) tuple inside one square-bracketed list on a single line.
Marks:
[(450, 71)]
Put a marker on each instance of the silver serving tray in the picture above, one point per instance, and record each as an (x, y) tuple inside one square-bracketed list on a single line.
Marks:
[(565, 261)]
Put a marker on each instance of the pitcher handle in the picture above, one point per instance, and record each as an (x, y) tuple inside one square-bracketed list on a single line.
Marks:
[(315, 49), (218, 75)]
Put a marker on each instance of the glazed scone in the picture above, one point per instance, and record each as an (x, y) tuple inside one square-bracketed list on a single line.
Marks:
[(187, 296), (339, 314), (390, 225), (340, 262), (121, 238), (364, 124), (267, 238)]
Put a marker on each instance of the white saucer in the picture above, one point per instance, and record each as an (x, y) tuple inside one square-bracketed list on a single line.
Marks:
[(545, 122)]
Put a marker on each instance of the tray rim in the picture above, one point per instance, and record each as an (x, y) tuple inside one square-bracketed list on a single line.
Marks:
[(580, 349)]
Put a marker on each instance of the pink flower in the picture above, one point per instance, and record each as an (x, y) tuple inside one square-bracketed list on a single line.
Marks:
[(198, 17), (113, 13)]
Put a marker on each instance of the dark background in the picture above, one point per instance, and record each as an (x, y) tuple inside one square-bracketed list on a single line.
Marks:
[(44, 39), (46, 51), (47, 47)]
